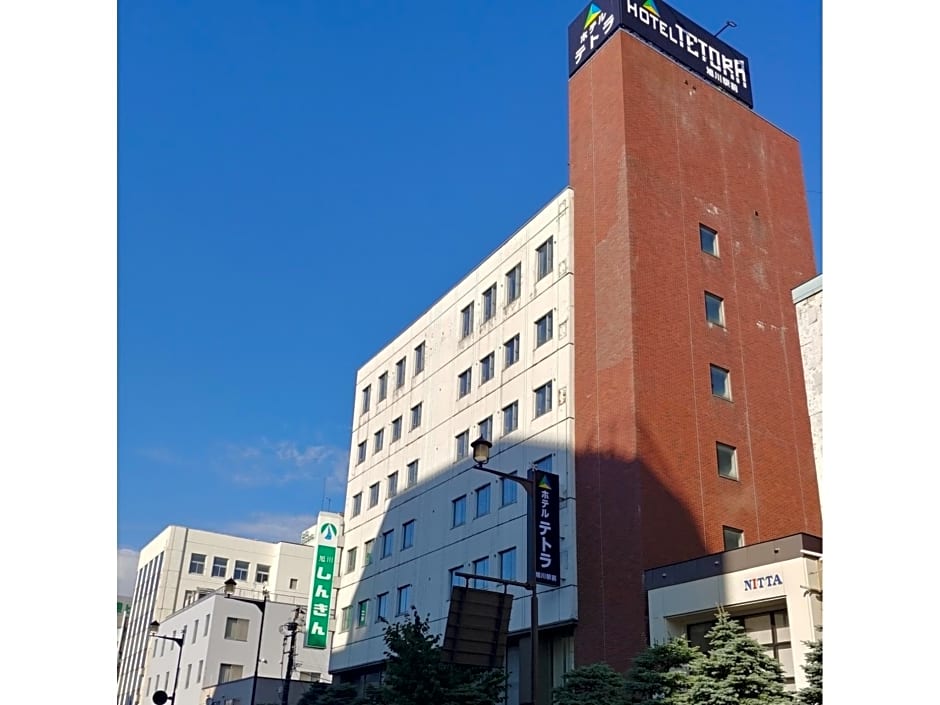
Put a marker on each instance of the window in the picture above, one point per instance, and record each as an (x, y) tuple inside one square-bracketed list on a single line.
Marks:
[(381, 607), (366, 398), (367, 549), (379, 440), (511, 350), (483, 501), (199, 672), (481, 566), (543, 399), (396, 429), (459, 511), (489, 303), (544, 256), (486, 428), (383, 386), (356, 504), (262, 573), (236, 629), (510, 417), (373, 494), (361, 453), (206, 630), (419, 358), (513, 284), (219, 567), (487, 368), (734, 538), (466, 321), (362, 613), (351, 560), (404, 599), (509, 491), (544, 463), (721, 382), (308, 676), (241, 570), (464, 383), (195, 631), (400, 374), (454, 578), (708, 239), (408, 534), (543, 329), (293, 583), (412, 473), (392, 485), (388, 543), (345, 619), (189, 597), (197, 563), (727, 461), (714, 309), (415, 416), (507, 564), (463, 445)]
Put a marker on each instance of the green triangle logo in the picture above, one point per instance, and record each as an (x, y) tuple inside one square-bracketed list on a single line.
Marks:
[(544, 484), (650, 6), (329, 531), (593, 12)]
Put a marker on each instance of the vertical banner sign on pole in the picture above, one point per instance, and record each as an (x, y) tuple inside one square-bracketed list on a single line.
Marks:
[(321, 587), (548, 552)]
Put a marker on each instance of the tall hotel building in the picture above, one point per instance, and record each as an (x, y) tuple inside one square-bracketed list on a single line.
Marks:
[(638, 338)]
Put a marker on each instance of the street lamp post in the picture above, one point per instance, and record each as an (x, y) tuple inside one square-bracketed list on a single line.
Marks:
[(230, 585), (160, 697), (481, 455)]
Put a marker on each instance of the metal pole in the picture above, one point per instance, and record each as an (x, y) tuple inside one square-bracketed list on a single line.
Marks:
[(533, 585), (179, 661), (285, 690), (254, 679)]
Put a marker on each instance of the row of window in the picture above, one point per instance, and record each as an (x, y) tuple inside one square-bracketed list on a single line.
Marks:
[(513, 278), (390, 491), (387, 546), (378, 440), (241, 571), (481, 566), (186, 681), (400, 373)]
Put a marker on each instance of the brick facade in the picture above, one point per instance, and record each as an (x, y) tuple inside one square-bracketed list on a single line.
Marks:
[(654, 152)]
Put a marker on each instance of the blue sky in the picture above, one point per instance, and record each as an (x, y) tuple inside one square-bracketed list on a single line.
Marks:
[(297, 181)]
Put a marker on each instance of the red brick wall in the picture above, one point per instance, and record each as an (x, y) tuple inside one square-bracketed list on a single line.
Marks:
[(654, 151)]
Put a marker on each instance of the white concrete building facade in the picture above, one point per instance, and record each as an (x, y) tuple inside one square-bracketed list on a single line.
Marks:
[(493, 358), (182, 564), (221, 645), (809, 315)]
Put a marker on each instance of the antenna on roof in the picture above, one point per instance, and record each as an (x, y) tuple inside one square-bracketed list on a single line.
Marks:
[(729, 23)]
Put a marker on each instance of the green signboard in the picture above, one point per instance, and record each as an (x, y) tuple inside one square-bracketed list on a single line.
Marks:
[(321, 592)]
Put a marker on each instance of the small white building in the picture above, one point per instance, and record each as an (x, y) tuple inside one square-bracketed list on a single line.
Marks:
[(221, 642), (182, 564)]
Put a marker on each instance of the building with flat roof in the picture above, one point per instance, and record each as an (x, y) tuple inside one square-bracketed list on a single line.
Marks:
[(637, 338)]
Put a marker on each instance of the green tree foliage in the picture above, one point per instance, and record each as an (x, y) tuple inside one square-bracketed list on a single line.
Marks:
[(326, 694), (812, 693), (735, 671), (415, 674), (660, 674), (596, 684)]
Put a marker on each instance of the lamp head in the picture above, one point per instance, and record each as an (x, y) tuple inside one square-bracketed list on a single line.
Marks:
[(481, 450), (230, 587), (154, 627)]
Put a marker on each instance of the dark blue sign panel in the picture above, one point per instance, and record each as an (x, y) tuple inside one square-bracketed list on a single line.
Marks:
[(547, 540), (679, 37), (591, 28), (671, 32)]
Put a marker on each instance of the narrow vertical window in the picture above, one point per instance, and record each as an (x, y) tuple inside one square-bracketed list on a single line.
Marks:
[(720, 381), (714, 309), (466, 321), (419, 358), (708, 239), (544, 257)]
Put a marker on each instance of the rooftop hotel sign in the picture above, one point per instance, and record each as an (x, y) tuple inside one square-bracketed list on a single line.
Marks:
[(675, 35)]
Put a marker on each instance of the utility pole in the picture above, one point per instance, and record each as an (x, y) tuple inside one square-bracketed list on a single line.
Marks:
[(291, 628)]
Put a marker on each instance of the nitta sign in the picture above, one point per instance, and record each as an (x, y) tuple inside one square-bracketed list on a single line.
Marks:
[(321, 587), (680, 38)]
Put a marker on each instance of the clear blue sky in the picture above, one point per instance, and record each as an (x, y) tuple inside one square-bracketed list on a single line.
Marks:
[(298, 181)]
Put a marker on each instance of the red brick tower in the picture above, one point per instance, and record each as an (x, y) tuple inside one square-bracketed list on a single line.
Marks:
[(655, 153)]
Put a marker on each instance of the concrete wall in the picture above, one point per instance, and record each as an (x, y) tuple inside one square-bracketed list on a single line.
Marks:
[(808, 299)]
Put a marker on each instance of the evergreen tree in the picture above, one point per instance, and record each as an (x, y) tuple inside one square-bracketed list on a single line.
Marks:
[(735, 671), (597, 684), (812, 693), (660, 674), (327, 694)]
